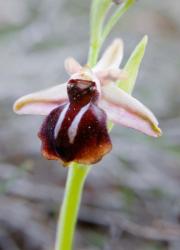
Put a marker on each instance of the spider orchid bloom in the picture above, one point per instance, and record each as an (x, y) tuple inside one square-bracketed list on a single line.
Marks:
[(75, 128)]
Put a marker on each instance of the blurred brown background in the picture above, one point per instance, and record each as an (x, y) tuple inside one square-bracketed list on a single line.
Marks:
[(132, 198)]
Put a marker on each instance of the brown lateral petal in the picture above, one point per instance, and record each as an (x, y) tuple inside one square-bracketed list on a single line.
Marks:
[(74, 133)]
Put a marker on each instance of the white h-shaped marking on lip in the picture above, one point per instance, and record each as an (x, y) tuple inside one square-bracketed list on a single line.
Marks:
[(60, 121), (72, 131)]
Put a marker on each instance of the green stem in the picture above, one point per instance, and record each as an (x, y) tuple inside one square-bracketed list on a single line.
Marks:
[(70, 206), (99, 10), (123, 8), (93, 53), (99, 31)]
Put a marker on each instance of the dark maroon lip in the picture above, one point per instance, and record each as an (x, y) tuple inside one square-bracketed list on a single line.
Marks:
[(90, 143), (76, 131)]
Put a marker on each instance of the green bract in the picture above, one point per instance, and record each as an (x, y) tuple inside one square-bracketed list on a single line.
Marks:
[(133, 65)]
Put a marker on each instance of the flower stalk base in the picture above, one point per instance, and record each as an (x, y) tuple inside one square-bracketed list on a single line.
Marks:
[(70, 206)]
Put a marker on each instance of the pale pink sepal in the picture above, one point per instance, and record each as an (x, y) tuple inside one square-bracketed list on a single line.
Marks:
[(125, 110), (42, 102), (72, 66), (112, 56)]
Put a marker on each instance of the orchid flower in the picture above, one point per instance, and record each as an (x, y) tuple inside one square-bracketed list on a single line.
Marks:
[(75, 127)]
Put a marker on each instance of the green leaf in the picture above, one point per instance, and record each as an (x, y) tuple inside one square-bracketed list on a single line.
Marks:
[(133, 65)]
